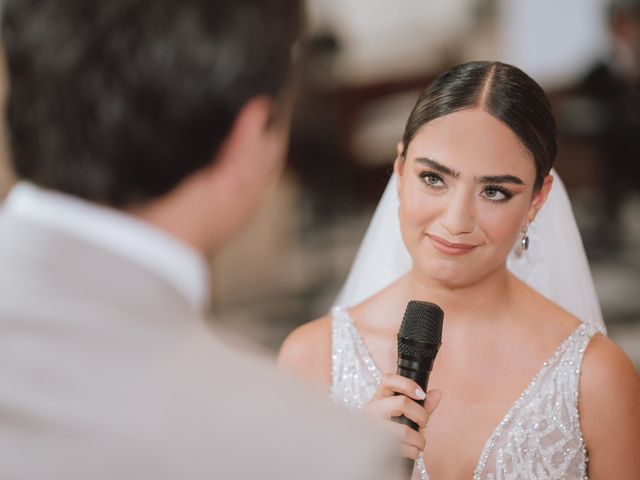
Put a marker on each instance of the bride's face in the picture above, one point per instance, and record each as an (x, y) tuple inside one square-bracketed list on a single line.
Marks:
[(466, 193)]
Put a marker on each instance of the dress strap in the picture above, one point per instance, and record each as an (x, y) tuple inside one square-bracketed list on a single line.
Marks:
[(354, 376), (341, 347), (572, 361)]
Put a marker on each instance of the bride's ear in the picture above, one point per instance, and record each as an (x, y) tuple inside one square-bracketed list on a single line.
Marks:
[(540, 197), (398, 164)]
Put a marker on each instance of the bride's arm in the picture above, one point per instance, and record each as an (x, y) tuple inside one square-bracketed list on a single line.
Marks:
[(306, 352), (609, 413)]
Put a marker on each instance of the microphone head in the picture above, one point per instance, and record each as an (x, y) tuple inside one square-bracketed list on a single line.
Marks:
[(422, 322)]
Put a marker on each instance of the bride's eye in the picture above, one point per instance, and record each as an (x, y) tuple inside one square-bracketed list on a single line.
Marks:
[(432, 179), (496, 194)]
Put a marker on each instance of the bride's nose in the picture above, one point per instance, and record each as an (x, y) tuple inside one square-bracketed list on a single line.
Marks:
[(458, 216)]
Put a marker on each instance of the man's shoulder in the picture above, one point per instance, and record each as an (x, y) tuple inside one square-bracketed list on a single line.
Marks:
[(236, 398), (247, 374)]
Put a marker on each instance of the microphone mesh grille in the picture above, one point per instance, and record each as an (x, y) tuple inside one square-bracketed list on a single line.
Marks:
[(422, 322)]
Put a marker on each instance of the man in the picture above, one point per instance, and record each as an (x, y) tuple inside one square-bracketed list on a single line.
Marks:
[(145, 133)]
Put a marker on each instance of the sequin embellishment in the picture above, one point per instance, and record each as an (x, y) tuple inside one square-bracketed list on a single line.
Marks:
[(540, 435)]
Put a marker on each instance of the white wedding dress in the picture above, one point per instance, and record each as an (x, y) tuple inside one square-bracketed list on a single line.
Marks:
[(540, 436)]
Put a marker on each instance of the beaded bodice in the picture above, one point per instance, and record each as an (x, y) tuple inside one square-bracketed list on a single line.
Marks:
[(539, 437)]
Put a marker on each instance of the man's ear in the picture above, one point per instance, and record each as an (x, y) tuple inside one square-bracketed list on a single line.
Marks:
[(540, 197)]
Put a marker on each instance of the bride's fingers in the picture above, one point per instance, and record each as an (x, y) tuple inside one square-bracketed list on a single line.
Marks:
[(409, 451), (411, 440), (402, 405), (432, 401), (390, 407), (392, 383)]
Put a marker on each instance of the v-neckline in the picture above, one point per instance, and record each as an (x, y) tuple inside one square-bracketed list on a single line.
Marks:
[(497, 431)]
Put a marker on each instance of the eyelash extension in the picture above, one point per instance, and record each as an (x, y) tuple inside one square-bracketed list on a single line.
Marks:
[(507, 194)]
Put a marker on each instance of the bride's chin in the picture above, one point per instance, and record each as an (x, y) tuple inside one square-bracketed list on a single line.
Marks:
[(442, 273), (451, 282), (444, 276)]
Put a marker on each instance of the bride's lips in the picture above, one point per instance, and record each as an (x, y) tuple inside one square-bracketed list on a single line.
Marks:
[(448, 248)]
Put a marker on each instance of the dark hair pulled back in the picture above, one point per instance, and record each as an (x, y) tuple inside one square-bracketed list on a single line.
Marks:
[(502, 90)]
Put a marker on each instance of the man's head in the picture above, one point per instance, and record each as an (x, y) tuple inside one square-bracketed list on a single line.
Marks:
[(123, 102)]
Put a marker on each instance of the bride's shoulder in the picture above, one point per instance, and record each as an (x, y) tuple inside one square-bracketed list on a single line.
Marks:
[(610, 420), (607, 373), (606, 364), (306, 352)]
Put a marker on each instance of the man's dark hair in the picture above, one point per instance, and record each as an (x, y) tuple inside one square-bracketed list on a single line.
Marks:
[(117, 101)]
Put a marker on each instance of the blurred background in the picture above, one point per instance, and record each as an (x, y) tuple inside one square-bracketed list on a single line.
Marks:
[(368, 60)]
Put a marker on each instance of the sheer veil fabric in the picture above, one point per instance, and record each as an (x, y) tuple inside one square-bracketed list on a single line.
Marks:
[(555, 263)]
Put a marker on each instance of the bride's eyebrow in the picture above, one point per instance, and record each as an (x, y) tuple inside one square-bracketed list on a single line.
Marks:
[(438, 167), (443, 169), (500, 179)]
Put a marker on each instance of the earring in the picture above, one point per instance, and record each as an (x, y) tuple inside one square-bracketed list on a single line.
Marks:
[(524, 242)]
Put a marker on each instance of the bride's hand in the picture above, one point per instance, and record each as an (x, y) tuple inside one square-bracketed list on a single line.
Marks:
[(386, 404)]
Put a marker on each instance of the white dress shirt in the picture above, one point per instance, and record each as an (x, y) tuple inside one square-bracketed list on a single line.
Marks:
[(107, 372), (140, 242)]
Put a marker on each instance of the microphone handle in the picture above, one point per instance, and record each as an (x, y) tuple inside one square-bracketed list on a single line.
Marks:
[(418, 371)]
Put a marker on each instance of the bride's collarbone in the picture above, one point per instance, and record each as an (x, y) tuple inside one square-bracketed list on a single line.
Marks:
[(489, 372), (480, 360)]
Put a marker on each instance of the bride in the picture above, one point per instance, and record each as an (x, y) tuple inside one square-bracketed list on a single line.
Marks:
[(526, 384)]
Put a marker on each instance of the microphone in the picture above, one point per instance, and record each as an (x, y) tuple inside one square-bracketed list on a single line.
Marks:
[(419, 339)]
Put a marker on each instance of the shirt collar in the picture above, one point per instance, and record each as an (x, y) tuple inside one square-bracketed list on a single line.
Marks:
[(140, 242)]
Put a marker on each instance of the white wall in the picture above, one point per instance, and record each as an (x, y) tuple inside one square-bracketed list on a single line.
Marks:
[(553, 40), (383, 38)]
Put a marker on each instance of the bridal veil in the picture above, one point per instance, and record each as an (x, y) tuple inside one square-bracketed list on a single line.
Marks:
[(555, 263)]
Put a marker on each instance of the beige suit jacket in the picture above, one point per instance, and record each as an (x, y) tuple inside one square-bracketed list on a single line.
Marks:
[(106, 372)]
